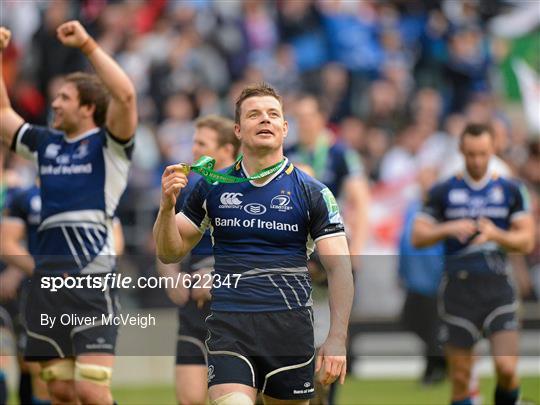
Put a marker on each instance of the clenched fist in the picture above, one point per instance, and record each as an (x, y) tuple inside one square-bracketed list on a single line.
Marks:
[(5, 36), (72, 34)]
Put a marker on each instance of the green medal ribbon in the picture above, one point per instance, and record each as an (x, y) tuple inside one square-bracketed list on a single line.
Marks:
[(205, 167)]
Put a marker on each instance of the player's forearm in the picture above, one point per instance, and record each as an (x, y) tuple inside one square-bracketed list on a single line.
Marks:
[(4, 99), (427, 234), (113, 77), (341, 293), (520, 241), (15, 255), (167, 237)]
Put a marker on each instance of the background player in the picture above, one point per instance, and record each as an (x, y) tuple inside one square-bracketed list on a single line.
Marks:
[(214, 136), (260, 331), (480, 216), (83, 166)]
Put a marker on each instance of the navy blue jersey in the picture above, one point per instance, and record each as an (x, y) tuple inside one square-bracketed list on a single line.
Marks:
[(201, 256), (25, 206), (81, 181), (332, 164), (264, 233), (499, 199)]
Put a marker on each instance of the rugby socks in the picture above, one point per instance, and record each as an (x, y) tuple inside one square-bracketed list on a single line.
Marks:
[(466, 401), (505, 397), (25, 388), (3, 388)]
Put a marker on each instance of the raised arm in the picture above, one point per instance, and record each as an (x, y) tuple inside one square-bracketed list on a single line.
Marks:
[(121, 118), (174, 235), (10, 121), (334, 255)]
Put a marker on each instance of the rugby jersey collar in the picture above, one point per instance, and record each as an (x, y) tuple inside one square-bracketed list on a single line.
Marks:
[(81, 136), (272, 177), (477, 184)]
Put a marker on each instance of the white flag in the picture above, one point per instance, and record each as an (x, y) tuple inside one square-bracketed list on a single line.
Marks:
[(529, 85)]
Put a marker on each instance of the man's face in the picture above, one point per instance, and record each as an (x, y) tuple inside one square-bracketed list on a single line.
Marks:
[(67, 109), (262, 126), (205, 142), (477, 151), (310, 120)]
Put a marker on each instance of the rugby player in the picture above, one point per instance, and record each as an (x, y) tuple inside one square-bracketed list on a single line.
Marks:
[(83, 164), (214, 136), (260, 331), (480, 216)]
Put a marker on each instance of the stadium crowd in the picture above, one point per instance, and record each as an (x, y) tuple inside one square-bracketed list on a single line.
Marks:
[(398, 80)]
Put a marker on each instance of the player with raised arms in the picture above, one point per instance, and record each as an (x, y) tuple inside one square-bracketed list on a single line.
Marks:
[(83, 163)]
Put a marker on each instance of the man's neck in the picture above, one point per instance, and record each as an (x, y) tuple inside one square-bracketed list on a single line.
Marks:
[(82, 129), (254, 164), (220, 165)]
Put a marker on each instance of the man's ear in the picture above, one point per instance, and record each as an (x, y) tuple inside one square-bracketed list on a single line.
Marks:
[(285, 129), (237, 131), (88, 110)]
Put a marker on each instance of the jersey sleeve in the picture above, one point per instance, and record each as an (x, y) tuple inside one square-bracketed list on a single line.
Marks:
[(325, 219), (28, 139), (519, 200), (118, 147), (194, 207), (433, 207)]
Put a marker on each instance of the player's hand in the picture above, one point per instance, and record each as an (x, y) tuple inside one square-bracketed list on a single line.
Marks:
[(331, 362), (462, 229), (10, 280), (201, 293), (172, 181), (5, 36), (487, 231), (179, 295), (72, 34)]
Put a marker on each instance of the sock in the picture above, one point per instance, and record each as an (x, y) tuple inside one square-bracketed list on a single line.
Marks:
[(25, 388), (504, 397), (37, 401), (466, 401), (3, 388)]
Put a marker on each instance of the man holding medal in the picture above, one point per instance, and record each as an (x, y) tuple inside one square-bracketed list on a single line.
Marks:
[(265, 216)]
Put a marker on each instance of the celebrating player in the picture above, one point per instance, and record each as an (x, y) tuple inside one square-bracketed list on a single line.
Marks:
[(83, 165), (480, 217), (260, 332)]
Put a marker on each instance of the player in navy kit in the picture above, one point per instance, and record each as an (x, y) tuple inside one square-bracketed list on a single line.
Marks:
[(480, 217), (214, 136), (83, 165), (260, 332)]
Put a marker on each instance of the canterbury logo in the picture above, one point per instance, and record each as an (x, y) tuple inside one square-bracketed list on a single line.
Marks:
[(231, 198)]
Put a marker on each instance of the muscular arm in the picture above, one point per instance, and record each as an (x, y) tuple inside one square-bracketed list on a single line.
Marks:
[(122, 111), (10, 121), (12, 251), (175, 236), (334, 255), (426, 233), (519, 238), (118, 235)]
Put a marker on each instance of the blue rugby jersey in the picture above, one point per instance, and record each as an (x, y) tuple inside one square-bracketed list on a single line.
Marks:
[(25, 205), (497, 198), (81, 181), (264, 233)]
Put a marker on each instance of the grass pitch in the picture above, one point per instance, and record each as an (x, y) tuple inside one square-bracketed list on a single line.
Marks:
[(355, 392)]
